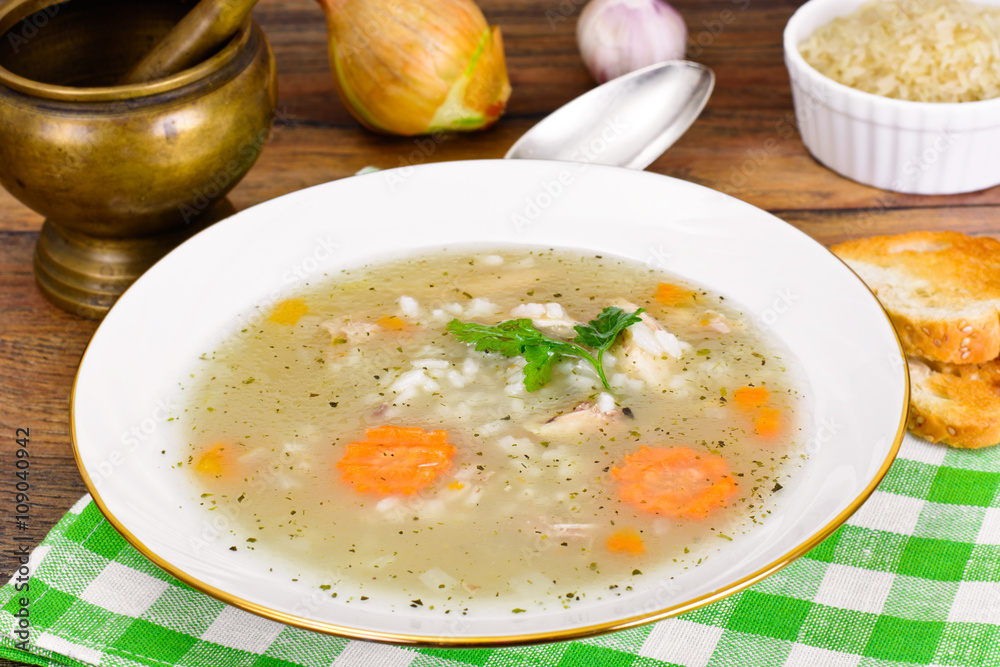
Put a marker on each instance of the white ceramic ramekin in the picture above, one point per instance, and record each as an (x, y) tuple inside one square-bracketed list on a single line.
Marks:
[(913, 147)]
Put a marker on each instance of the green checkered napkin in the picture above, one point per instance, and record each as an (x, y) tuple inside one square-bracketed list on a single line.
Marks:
[(912, 579)]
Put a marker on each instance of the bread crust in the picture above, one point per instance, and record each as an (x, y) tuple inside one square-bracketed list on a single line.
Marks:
[(957, 405), (941, 289), (961, 341)]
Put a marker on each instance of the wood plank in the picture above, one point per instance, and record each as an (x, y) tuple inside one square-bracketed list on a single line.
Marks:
[(834, 226)]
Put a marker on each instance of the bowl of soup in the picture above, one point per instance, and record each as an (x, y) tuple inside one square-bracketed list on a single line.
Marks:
[(488, 403)]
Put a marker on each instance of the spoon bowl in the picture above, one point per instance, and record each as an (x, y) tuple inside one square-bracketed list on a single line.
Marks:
[(627, 122)]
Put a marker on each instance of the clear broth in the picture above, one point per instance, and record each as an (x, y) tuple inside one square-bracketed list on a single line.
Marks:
[(526, 515)]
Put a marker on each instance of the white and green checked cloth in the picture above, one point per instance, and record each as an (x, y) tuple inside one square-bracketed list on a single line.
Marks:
[(912, 579)]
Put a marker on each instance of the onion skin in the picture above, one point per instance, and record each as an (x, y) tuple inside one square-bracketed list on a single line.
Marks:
[(410, 67), (620, 36)]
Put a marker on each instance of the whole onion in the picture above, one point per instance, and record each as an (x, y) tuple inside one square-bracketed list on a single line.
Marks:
[(413, 67)]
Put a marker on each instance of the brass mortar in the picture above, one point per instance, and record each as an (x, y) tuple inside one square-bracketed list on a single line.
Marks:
[(122, 173)]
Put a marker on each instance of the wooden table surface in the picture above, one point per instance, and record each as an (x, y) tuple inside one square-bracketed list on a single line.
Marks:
[(740, 145)]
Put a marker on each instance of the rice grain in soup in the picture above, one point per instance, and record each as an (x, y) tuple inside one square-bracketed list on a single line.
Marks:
[(356, 440)]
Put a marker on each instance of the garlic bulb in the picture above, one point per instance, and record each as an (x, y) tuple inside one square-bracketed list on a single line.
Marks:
[(416, 66), (620, 36)]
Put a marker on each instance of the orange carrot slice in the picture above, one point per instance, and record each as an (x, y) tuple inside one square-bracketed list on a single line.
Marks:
[(391, 322), (627, 541), (289, 311), (216, 461), (766, 419), (751, 397), (674, 481), (404, 435), (672, 295), (396, 459), (768, 422)]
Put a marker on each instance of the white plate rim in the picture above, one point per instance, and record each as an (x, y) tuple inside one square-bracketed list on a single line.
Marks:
[(514, 639)]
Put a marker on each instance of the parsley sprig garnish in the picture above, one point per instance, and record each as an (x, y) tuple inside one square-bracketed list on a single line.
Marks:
[(513, 338)]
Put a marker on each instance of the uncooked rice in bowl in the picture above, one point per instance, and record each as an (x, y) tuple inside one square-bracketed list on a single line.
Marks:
[(918, 50)]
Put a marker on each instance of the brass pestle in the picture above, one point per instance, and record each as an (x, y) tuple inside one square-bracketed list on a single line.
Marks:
[(202, 30)]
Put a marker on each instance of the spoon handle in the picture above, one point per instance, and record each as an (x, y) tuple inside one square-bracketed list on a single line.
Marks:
[(201, 30)]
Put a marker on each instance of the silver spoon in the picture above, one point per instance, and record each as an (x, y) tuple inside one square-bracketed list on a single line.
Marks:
[(627, 122)]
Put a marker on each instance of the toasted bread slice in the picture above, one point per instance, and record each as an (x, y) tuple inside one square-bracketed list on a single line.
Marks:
[(956, 405), (942, 290)]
